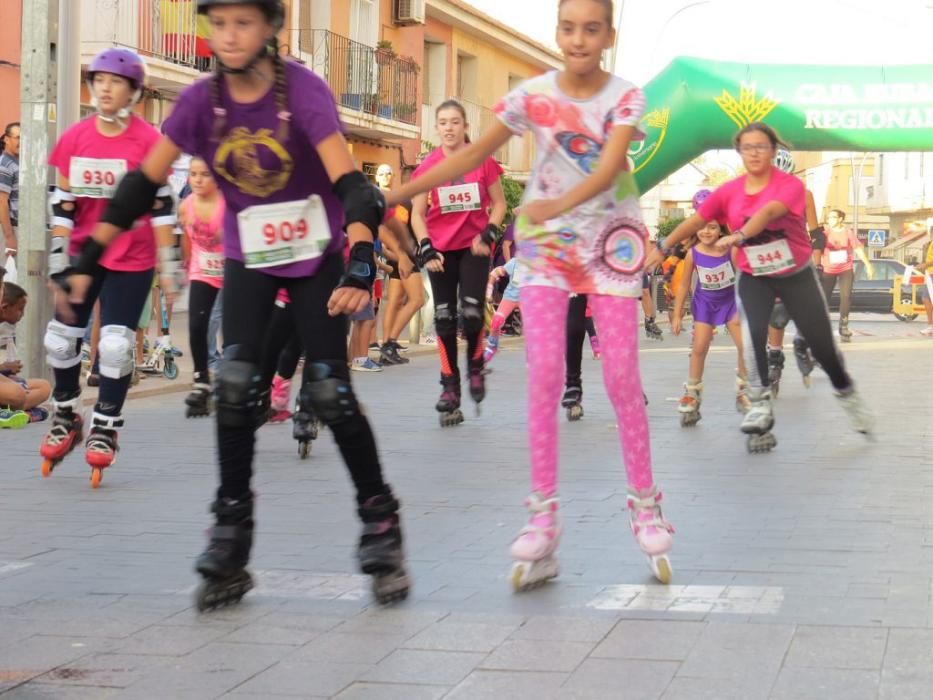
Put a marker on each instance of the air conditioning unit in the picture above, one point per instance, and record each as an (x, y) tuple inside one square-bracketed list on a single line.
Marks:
[(409, 11)]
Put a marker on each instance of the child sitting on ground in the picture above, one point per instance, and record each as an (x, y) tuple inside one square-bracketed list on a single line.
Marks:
[(20, 399)]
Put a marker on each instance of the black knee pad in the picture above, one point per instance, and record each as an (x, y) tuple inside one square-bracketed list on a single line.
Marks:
[(473, 316), (238, 391), (445, 320), (779, 316), (330, 394)]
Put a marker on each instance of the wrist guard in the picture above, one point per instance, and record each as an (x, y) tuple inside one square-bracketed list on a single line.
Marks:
[(426, 253), (492, 234), (361, 268)]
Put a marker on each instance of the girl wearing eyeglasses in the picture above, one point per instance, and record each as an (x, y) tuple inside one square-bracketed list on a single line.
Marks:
[(766, 210)]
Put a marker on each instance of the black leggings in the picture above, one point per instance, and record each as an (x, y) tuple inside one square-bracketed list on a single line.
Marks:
[(578, 326), (805, 305), (201, 298), (845, 290), (122, 298), (467, 274), (282, 348), (249, 298)]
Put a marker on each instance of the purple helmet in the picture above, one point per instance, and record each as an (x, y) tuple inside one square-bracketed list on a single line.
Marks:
[(700, 197), (120, 61)]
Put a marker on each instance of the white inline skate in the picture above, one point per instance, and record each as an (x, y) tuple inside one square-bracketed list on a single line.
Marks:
[(534, 547), (862, 419), (758, 422), (652, 532), (689, 406)]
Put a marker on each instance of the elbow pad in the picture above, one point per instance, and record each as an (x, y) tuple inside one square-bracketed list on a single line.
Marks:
[(63, 205), (163, 210), (133, 199), (363, 203)]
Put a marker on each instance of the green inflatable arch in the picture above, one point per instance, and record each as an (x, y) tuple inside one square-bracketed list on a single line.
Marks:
[(696, 105)]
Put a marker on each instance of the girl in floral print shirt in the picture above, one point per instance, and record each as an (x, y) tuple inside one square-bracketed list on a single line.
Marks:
[(580, 231)]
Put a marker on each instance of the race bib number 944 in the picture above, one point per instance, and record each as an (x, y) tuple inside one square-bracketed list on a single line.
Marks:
[(770, 258), (283, 233)]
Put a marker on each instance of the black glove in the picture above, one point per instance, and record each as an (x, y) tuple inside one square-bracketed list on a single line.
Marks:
[(426, 253), (361, 268), (491, 234)]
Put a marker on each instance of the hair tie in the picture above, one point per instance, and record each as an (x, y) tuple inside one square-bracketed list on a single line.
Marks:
[(285, 116)]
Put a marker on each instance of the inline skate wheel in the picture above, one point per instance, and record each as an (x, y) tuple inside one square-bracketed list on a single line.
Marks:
[(661, 568), (391, 587), (96, 475), (528, 575), (758, 444), (216, 593), (451, 419), (688, 420), (574, 413), (48, 466), (304, 449)]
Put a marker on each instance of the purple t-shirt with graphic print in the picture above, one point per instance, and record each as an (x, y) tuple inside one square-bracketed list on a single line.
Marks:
[(248, 162)]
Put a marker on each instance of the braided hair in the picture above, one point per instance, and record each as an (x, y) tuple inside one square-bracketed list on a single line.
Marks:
[(281, 96)]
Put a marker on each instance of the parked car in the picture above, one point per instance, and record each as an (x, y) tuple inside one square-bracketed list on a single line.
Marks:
[(874, 295)]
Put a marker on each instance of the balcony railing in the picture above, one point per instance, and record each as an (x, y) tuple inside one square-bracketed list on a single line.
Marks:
[(161, 29), (363, 78)]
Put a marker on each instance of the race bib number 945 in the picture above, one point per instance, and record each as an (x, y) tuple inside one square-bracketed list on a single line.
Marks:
[(96, 178), (457, 198), (283, 233), (770, 258)]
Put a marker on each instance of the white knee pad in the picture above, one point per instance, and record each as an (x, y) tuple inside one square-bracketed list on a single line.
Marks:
[(62, 345), (116, 351)]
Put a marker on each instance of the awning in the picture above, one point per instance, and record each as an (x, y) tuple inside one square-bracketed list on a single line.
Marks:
[(904, 241)]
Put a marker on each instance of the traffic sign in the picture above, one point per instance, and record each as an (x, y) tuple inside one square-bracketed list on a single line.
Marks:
[(876, 237)]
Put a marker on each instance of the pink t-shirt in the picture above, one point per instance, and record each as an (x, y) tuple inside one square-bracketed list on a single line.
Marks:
[(837, 256), (207, 244), (94, 164), (454, 218), (782, 248)]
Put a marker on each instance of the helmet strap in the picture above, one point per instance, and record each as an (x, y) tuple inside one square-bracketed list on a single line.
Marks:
[(249, 67), (122, 115)]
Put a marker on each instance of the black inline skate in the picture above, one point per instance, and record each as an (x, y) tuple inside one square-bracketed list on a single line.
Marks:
[(652, 331), (198, 402), (805, 361), (304, 428), (775, 369), (380, 553), (573, 398), (223, 563), (448, 405)]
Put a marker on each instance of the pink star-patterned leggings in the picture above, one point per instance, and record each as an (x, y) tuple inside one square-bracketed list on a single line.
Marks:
[(544, 320)]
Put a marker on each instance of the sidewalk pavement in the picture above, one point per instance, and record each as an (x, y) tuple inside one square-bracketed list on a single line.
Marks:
[(802, 573)]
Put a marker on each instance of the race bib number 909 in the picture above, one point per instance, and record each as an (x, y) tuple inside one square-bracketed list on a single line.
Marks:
[(283, 233)]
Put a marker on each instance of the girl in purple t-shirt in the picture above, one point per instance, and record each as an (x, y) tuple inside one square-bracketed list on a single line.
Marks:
[(765, 209), (270, 132), (713, 305)]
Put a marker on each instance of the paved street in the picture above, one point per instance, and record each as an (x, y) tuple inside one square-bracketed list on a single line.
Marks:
[(803, 573)]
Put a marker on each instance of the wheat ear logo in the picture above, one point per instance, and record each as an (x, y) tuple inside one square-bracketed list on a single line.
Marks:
[(654, 124), (747, 108)]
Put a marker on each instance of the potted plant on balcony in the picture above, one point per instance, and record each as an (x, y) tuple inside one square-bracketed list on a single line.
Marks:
[(385, 52), (406, 112)]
